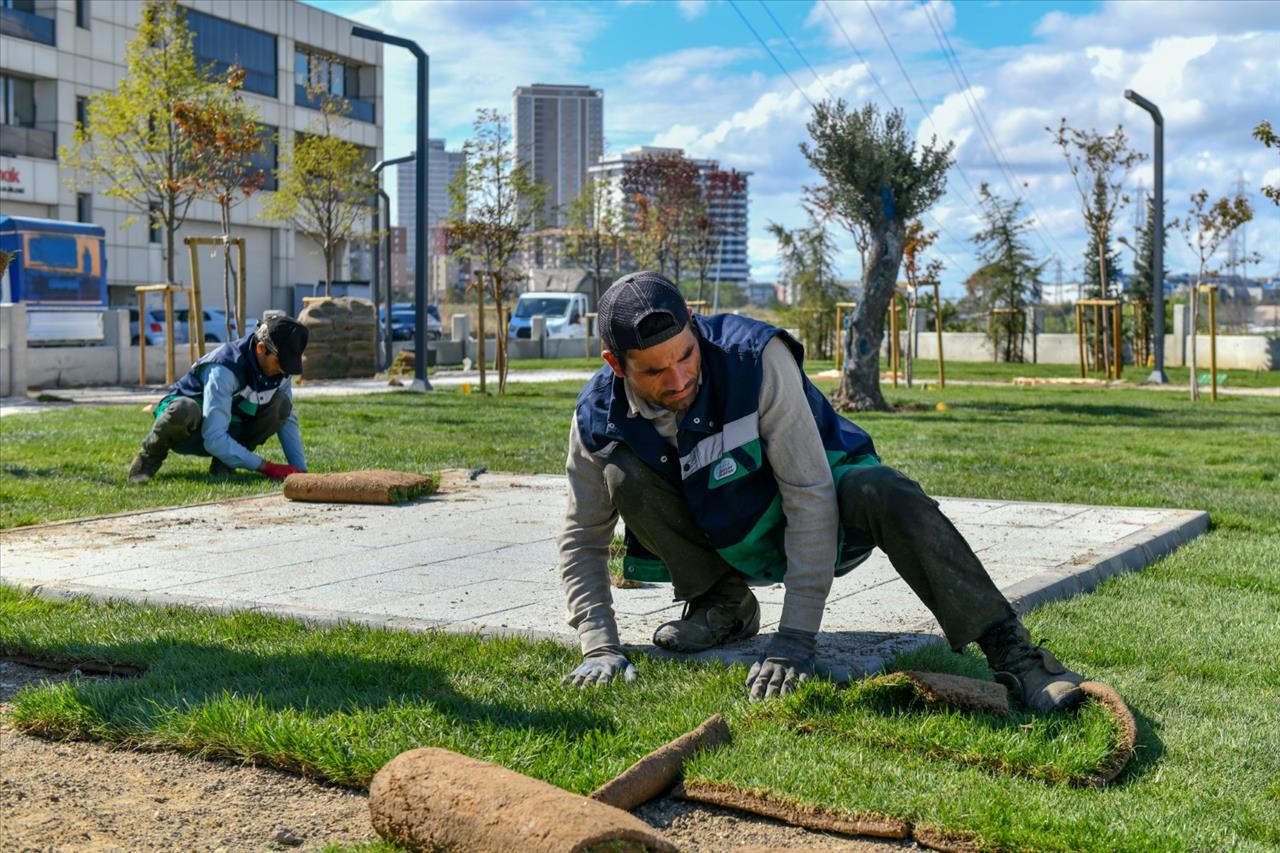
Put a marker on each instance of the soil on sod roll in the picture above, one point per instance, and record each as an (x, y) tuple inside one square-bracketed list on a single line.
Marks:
[(434, 799), (375, 486), (956, 691)]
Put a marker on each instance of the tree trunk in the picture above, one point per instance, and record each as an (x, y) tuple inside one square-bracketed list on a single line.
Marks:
[(226, 277), (1195, 310), (328, 270), (480, 344), (859, 389)]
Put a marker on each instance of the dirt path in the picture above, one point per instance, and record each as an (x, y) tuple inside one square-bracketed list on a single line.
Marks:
[(89, 796)]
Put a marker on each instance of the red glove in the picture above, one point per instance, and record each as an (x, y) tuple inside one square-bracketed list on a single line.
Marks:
[(276, 471)]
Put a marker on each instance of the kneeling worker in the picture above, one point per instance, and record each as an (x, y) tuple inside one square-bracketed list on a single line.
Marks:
[(730, 468), (231, 401)]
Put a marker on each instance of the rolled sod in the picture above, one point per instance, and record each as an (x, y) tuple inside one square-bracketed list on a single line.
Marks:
[(375, 486), (434, 799), (661, 769)]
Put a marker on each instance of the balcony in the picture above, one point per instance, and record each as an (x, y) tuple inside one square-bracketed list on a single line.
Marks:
[(25, 25), (16, 141), (360, 110)]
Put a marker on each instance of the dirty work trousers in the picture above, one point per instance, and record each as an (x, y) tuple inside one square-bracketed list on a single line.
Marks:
[(177, 428), (879, 508)]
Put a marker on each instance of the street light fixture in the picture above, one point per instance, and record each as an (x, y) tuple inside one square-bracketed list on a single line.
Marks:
[(420, 189), (384, 282), (1157, 251)]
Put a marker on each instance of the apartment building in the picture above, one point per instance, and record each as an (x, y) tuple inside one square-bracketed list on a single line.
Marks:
[(559, 131), (57, 54)]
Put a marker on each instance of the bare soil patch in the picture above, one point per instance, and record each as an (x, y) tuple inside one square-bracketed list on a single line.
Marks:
[(91, 796)]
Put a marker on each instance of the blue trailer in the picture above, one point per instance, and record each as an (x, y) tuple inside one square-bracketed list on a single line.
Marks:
[(59, 273)]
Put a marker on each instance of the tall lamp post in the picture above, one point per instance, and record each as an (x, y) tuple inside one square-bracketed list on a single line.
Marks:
[(384, 282), (1157, 251), (420, 189)]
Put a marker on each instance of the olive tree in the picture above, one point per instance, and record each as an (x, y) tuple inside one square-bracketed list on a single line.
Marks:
[(875, 174)]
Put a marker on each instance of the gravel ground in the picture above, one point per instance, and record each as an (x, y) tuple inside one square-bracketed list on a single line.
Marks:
[(90, 796)]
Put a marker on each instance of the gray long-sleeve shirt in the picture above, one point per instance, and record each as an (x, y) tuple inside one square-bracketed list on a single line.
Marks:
[(794, 449)]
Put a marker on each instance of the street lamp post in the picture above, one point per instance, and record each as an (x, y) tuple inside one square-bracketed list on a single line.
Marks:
[(384, 282), (420, 189), (1157, 251)]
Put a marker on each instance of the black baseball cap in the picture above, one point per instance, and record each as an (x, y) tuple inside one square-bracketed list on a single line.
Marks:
[(633, 298), (286, 339)]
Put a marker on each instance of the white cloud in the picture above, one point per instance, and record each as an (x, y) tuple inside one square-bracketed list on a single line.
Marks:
[(692, 9)]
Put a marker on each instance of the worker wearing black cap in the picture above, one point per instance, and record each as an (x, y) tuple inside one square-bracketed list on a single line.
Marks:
[(231, 401), (730, 469)]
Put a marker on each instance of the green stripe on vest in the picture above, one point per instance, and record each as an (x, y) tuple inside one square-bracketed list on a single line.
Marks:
[(761, 554)]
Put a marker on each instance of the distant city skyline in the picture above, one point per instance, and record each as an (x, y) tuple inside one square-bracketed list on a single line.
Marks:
[(989, 76)]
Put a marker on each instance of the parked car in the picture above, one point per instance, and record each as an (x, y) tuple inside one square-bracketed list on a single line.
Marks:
[(403, 322), (215, 323), (155, 327), (566, 314)]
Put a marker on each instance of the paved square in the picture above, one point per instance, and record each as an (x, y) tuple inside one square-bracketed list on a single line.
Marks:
[(481, 556)]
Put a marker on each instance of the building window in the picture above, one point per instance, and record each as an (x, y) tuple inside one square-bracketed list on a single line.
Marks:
[(268, 158), (332, 75), (17, 101), (84, 207), (82, 14), (225, 43), (82, 111), (153, 220)]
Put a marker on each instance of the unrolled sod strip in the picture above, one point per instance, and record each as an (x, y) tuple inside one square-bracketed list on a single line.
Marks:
[(374, 486), (434, 799)]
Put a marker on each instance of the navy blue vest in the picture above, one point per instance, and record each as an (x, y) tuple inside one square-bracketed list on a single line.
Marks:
[(719, 464), (256, 388)]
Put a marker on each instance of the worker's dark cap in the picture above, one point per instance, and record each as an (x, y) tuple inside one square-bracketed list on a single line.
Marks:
[(286, 339), (630, 301)]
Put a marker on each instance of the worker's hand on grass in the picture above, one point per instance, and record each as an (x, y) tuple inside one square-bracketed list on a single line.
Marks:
[(276, 471), (600, 666), (787, 660)]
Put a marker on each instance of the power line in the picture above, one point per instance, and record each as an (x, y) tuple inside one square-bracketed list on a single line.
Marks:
[(875, 78), (984, 126), (778, 24), (768, 50)]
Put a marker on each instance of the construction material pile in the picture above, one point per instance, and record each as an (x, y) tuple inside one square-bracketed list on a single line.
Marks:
[(342, 338)]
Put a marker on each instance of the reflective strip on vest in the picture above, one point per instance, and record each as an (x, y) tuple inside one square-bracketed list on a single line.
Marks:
[(735, 434)]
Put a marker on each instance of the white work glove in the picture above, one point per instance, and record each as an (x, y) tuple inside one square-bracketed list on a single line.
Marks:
[(787, 660), (600, 666)]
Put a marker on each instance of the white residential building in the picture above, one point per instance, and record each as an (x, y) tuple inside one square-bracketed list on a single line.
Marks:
[(559, 131), (56, 54), (730, 213)]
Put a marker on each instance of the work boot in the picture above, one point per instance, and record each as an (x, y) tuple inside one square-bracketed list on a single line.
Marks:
[(220, 469), (144, 466), (1030, 672), (726, 612)]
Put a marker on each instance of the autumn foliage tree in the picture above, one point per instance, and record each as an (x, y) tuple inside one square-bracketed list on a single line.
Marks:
[(227, 137), (133, 148), (664, 196)]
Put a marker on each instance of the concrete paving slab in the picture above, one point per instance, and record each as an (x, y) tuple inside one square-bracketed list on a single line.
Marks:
[(481, 556)]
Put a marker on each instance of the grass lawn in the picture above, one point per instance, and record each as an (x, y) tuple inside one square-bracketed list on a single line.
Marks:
[(1192, 642)]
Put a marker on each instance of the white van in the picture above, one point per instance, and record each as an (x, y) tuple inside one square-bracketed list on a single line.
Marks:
[(566, 314)]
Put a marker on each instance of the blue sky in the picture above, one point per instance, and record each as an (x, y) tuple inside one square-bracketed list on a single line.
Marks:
[(693, 74)]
